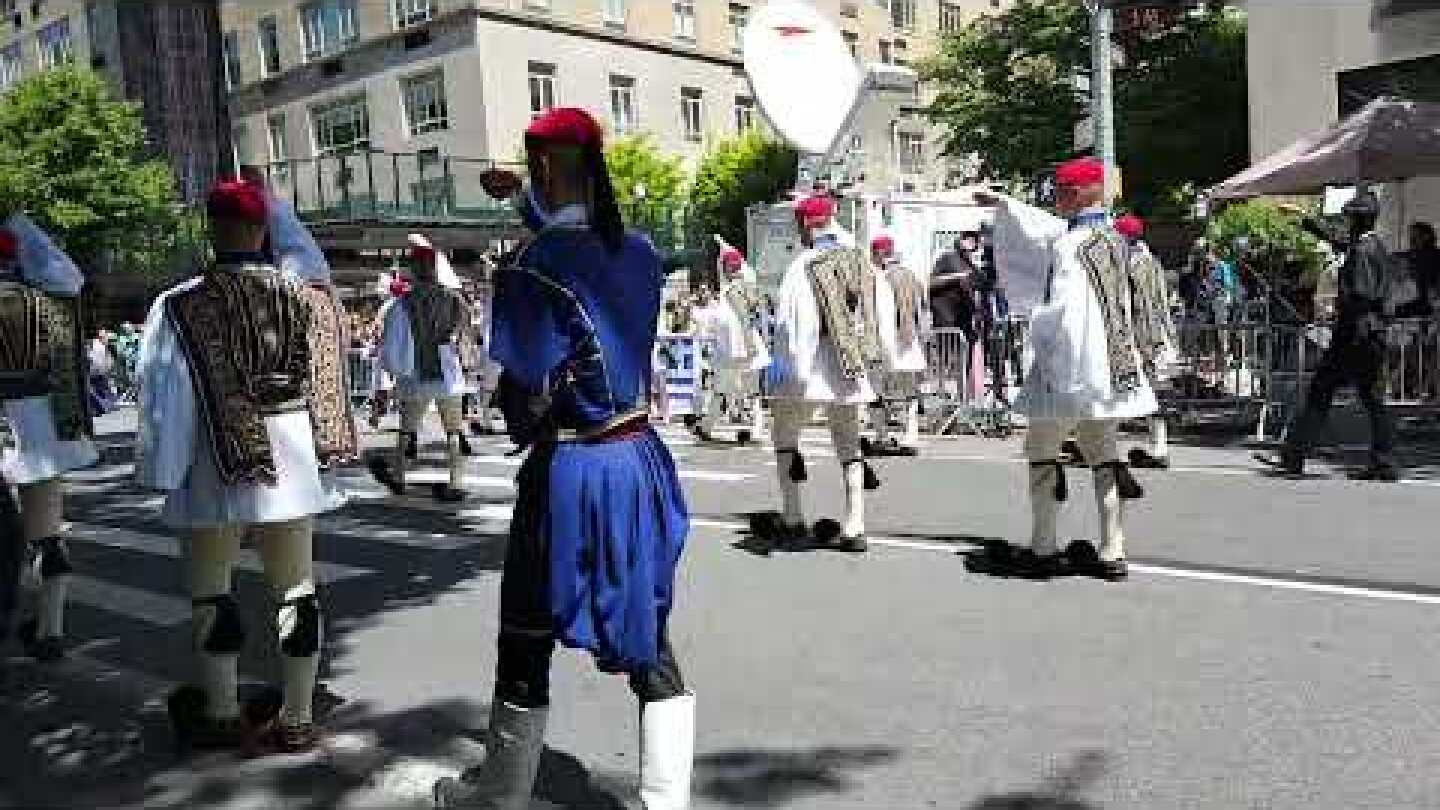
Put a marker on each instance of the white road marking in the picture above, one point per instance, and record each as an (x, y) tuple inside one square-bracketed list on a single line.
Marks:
[(718, 477), (133, 603)]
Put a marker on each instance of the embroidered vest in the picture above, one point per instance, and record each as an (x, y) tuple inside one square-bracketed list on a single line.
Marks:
[(1104, 260), (246, 332), (1154, 329), (909, 301), (437, 316), (42, 353), (844, 286), (331, 416)]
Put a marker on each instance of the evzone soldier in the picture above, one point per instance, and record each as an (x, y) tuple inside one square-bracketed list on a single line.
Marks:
[(827, 347), (1084, 371), (390, 286), (904, 334), (425, 344), (44, 390), (1155, 333), (737, 351), (600, 518), (237, 420)]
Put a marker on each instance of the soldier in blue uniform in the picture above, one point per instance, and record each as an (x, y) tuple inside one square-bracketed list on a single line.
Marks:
[(600, 521)]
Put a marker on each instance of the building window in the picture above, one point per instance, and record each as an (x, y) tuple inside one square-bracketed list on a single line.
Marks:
[(542, 88), (240, 146), (952, 18), (912, 152), (615, 13), (622, 104), (684, 19), (269, 32), (328, 26), (692, 113), (739, 18), (413, 12), (343, 126), (902, 14), (279, 142), (852, 40), (899, 54), (887, 53), (744, 113), (425, 106), (12, 63), (54, 43), (230, 48)]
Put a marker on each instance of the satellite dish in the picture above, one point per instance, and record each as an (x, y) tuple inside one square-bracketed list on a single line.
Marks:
[(804, 77)]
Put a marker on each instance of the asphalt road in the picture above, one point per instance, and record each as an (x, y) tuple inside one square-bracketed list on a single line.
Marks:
[(1275, 649)]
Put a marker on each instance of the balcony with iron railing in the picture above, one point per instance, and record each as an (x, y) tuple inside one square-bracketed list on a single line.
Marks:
[(425, 189)]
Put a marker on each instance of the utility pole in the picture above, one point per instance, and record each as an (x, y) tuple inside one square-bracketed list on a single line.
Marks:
[(1102, 89)]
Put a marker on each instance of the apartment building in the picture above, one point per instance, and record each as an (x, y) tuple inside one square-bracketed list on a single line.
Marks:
[(1311, 63), (164, 54), (442, 78)]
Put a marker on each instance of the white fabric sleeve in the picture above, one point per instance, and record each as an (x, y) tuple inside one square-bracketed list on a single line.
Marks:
[(168, 419), (889, 326), (296, 251), (43, 264), (397, 346), (1023, 236)]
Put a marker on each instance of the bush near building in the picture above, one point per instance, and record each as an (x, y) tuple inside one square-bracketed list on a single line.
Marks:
[(734, 175)]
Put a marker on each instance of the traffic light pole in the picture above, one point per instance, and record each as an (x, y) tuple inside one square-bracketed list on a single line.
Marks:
[(1102, 90)]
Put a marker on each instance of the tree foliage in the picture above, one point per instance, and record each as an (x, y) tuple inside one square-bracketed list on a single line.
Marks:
[(735, 174), (75, 159), (1276, 242), (1007, 90), (636, 161)]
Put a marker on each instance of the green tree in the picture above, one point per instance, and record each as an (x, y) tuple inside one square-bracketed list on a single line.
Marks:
[(733, 175), (74, 158), (1007, 91), (1276, 243), (635, 161)]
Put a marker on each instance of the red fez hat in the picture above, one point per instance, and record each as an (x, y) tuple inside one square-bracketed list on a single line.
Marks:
[(882, 242), (565, 126), (8, 245), (399, 287), (816, 206), (1080, 172), (1130, 226), (731, 257), (422, 253), (236, 199)]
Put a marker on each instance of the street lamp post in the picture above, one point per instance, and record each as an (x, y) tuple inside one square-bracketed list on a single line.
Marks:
[(1102, 89)]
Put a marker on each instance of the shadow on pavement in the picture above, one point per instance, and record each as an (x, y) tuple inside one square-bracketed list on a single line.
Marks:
[(753, 777), (1060, 792)]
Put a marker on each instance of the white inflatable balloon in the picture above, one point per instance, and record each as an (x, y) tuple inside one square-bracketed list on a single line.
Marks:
[(805, 79)]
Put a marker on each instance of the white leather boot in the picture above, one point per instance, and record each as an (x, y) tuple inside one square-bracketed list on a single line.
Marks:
[(505, 780), (667, 753)]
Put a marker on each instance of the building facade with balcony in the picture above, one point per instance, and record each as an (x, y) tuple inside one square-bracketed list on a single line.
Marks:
[(1310, 65), (451, 85), (163, 54)]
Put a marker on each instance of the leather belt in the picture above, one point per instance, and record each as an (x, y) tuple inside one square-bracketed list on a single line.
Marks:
[(614, 429)]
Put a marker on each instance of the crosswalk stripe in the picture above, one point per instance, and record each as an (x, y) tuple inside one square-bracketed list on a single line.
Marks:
[(169, 546), (111, 597)]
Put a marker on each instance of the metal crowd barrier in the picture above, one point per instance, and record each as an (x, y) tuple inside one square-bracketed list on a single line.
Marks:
[(967, 385), (361, 366)]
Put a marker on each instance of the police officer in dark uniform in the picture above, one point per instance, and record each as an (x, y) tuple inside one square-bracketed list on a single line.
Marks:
[(1357, 351)]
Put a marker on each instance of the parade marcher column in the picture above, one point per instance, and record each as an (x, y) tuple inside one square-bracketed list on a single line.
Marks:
[(904, 340), (44, 389), (1084, 373), (424, 345), (232, 430), (1155, 334), (600, 518), (737, 353), (827, 346)]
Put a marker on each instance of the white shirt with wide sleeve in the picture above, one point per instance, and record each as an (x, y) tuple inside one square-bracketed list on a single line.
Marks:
[(397, 356), (174, 455), (905, 357), (1066, 348)]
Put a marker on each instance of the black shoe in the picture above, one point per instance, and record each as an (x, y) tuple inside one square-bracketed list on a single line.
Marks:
[(45, 650), (854, 545), (380, 469), (1384, 473), (1084, 560), (743, 437), (1070, 452), (444, 493), (465, 449), (1285, 462), (768, 531), (1141, 458), (1030, 565), (868, 448), (412, 447)]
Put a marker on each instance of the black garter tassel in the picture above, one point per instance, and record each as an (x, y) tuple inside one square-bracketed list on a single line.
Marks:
[(798, 473), (1062, 487), (1130, 489)]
